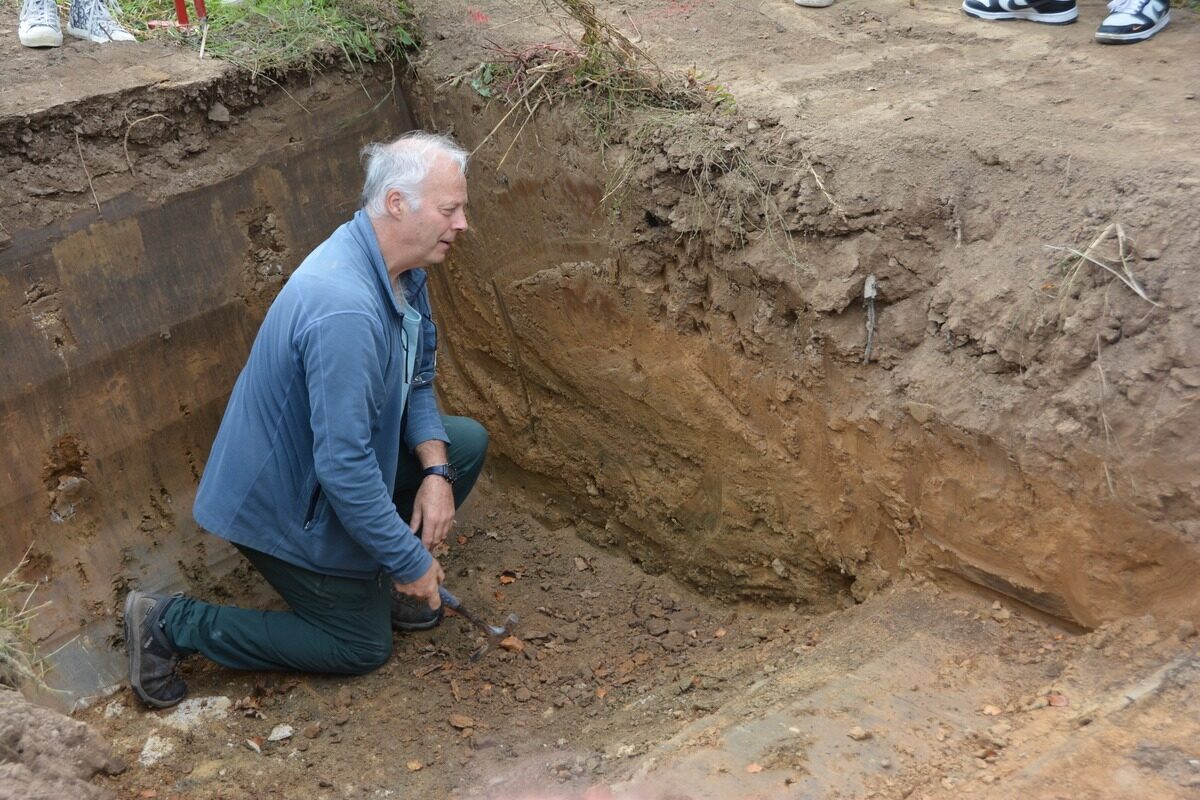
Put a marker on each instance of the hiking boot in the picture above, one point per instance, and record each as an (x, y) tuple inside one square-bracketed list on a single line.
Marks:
[(413, 614), (1132, 21), (1051, 12), (39, 24), (93, 20), (152, 659)]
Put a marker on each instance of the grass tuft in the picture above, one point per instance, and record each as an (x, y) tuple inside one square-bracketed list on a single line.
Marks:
[(734, 187), (19, 663), (1116, 263), (265, 36), (594, 64)]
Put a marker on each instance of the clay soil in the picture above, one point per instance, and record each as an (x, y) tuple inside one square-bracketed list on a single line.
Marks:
[(992, 593)]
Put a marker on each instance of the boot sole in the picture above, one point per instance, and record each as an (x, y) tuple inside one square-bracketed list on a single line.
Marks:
[(42, 38), (133, 645), (80, 33), (413, 627)]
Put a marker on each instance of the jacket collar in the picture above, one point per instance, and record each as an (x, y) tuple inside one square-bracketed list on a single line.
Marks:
[(364, 235), (412, 281)]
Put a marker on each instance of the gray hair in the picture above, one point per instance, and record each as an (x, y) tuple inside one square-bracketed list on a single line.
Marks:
[(402, 164)]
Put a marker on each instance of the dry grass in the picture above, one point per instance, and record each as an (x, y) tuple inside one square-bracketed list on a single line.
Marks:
[(19, 663), (592, 63), (1115, 262), (619, 88)]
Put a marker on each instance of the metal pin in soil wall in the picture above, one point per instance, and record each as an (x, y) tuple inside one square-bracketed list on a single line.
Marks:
[(870, 289)]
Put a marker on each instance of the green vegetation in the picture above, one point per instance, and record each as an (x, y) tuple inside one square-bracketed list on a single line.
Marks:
[(267, 35)]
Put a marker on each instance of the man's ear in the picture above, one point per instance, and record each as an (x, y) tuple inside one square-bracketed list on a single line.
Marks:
[(395, 204)]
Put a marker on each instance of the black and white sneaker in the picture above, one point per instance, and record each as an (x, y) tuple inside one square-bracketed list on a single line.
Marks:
[(1051, 12), (1132, 21)]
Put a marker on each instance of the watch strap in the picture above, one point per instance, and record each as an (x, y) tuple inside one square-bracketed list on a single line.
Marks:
[(446, 471)]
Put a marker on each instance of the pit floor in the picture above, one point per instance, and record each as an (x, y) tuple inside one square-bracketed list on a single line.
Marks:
[(632, 686)]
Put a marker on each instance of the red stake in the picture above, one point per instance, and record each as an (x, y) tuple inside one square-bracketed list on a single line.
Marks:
[(181, 13)]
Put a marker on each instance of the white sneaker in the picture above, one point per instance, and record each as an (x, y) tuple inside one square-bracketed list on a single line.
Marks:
[(1132, 21), (92, 20), (39, 24)]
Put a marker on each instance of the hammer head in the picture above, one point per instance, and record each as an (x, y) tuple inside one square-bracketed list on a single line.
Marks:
[(495, 635)]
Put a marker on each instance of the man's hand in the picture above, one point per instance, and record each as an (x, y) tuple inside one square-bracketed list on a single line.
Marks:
[(426, 586), (433, 511)]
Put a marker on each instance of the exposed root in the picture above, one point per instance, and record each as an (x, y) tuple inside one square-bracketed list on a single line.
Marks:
[(125, 143), (88, 174)]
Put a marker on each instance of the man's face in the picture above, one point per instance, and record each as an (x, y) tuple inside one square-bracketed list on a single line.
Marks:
[(427, 233)]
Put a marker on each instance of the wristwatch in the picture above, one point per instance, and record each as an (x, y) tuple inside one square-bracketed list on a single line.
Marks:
[(446, 471)]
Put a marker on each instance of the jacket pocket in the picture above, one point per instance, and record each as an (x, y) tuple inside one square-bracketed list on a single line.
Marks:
[(314, 502)]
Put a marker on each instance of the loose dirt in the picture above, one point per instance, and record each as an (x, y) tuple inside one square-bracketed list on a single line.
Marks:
[(629, 685)]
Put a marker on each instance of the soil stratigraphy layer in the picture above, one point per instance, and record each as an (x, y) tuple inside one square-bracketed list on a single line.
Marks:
[(683, 363)]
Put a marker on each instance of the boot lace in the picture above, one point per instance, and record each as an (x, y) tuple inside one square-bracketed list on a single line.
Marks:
[(39, 12), (104, 19)]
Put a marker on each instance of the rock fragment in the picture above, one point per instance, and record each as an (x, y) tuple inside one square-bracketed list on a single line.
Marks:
[(461, 721), (281, 732), (657, 626)]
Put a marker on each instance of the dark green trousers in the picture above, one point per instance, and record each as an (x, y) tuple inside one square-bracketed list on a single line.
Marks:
[(338, 625)]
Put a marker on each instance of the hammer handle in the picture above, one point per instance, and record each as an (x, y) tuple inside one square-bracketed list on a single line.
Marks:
[(448, 598)]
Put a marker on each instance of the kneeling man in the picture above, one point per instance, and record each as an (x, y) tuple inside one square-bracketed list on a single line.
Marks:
[(333, 471)]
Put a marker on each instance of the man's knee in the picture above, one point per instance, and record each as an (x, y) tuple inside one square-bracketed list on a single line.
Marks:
[(359, 659), (468, 440)]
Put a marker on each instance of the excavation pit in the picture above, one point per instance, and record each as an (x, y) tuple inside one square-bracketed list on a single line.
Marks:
[(747, 563)]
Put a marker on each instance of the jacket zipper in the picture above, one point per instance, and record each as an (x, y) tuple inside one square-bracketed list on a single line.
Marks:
[(310, 517)]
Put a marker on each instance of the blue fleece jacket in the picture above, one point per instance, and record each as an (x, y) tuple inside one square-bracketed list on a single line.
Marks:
[(304, 463)]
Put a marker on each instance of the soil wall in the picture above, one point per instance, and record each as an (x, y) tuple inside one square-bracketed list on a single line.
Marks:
[(123, 331), (679, 376)]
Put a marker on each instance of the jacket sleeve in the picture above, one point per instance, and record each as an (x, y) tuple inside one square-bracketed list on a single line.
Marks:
[(345, 378), (424, 419)]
